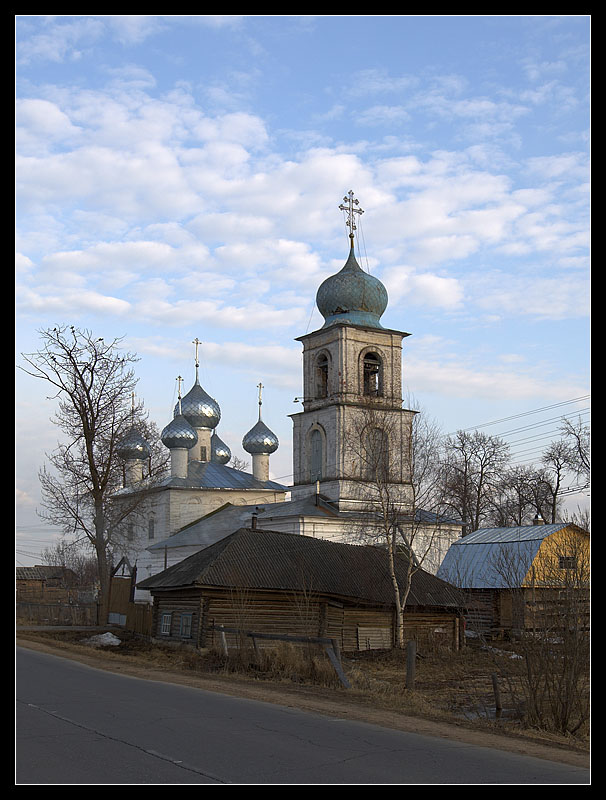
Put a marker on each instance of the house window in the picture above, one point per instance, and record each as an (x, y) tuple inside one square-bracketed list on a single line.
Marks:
[(568, 562), (373, 375), (186, 624), (165, 624), (322, 376), (150, 528)]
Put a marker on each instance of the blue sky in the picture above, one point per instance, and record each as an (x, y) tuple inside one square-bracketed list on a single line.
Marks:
[(180, 177)]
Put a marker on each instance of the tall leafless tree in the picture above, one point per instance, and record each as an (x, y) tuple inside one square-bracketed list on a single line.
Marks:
[(93, 382)]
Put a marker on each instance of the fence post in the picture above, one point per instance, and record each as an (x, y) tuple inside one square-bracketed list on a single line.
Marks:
[(411, 663), (497, 694)]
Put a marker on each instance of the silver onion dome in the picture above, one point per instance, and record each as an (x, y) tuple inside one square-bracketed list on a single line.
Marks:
[(199, 408), (352, 296), (133, 447), (260, 439), (179, 433), (219, 451)]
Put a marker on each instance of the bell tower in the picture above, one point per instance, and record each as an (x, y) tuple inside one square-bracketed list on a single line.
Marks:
[(353, 433)]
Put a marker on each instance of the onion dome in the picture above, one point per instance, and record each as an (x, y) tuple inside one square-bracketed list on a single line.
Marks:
[(133, 447), (219, 451), (179, 434), (199, 408), (352, 296), (260, 439)]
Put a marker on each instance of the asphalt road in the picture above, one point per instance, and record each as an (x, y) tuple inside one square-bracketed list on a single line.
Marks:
[(76, 725)]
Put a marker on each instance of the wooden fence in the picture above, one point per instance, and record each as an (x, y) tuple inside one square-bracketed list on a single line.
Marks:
[(57, 613)]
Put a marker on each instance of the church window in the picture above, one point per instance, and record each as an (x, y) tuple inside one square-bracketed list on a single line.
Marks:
[(375, 455), (373, 375), (130, 531), (151, 528), (316, 442), (322, 376)]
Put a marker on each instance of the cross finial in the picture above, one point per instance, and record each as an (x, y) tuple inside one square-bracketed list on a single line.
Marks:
[(260, 387), (179, 379), (197, 342), (349, 206)]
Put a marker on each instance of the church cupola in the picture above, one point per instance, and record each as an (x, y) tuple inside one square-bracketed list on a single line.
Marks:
[(180, 437), (260, 442), (134, 450), (352, 296), (219, 451), (203, 414)]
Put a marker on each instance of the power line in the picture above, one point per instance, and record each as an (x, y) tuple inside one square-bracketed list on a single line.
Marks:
[(525, 413)]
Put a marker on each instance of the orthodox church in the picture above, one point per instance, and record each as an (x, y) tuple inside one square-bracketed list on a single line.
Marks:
[(352, 429)]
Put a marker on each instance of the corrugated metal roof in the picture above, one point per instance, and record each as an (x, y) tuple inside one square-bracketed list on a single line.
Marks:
[(495, 558), (261, 559), (522, 533), (41, 573)]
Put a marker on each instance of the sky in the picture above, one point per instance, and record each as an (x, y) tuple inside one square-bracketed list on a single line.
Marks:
[(179, 177)]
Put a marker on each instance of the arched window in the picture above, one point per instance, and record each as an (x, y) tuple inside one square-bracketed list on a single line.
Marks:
[(322, 376), (375, 455), (316, 456), (373, 375), (151, 525)]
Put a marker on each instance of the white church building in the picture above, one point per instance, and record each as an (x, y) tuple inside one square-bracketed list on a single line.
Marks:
[(352, 404)]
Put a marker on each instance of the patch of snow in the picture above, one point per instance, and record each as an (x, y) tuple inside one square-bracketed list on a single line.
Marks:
[(102, 639)]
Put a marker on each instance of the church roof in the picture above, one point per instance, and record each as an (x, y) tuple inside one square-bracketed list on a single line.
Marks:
[(207, 475), (224, 520), (262, 559), (213, 475)]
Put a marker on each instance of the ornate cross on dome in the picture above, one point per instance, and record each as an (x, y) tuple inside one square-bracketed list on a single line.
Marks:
[(348, 206), (260, 387)]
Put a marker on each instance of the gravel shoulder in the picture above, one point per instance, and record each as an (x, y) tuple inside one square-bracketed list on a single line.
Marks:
[(342, 704)]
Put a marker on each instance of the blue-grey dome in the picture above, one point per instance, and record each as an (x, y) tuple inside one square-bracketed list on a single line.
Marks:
[(199, 408), (133, 447), (179, 433), (219, 451), (260, 439), (352, 296)]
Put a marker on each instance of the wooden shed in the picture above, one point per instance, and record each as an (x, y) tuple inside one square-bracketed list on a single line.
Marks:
[(44, 582), (282, 583), (532, 577)]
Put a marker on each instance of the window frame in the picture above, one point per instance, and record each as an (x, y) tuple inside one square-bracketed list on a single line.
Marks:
[(185, 631), (165, 629)]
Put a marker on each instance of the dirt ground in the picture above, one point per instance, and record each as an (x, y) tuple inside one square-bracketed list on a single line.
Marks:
[(433, 709)]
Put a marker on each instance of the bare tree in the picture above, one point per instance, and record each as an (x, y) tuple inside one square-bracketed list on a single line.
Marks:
[(93, 381), (387, 494), (473, 467)]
